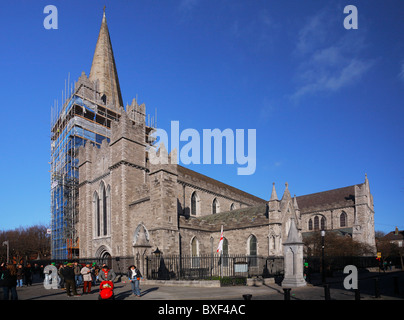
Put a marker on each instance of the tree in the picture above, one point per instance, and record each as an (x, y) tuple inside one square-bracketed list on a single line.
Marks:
[(25, 243), (335, 245)]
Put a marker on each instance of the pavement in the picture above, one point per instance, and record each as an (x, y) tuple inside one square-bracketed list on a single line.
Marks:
[(313, 291)]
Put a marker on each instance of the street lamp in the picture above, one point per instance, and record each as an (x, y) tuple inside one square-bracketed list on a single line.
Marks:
[(157, 252), (6, 243), (322, 256)]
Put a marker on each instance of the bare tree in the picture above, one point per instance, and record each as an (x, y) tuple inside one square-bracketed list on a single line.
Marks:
[(25, 243)]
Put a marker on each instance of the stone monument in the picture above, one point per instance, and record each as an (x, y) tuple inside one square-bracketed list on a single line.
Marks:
[(293, 258)]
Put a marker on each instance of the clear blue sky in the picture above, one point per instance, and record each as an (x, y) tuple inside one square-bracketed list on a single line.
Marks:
[(327, 103)]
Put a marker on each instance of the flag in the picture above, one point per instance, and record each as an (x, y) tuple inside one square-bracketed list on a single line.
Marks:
[(220, 246)]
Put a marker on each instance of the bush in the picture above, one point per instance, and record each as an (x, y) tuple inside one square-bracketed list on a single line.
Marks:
[(233, 281)]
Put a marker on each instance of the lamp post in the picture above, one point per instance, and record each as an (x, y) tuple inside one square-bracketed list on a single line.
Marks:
[(157, 252), (6, 243), (322, 256)]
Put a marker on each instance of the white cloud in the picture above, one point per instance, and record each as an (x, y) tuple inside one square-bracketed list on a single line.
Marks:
[(327, 60)]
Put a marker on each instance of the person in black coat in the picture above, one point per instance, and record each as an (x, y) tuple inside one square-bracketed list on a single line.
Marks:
[(28, 275), (68, 274), (9, 282)]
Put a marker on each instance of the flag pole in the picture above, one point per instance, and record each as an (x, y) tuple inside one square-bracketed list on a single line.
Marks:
[(221, 264), (220, 250)]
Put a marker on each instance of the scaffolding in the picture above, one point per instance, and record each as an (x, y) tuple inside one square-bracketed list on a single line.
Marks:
[(83, 118)]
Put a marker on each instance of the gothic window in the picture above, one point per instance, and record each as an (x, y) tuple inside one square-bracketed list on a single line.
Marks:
[(232, 207), (252, 248), (225, 252), (215, 206), (310, 224), (194, 201), (97, 214), (322, 223), (225, 246), (107, 212), (104, 211), (272, 240), (102, 214), (316, 223), (194, 247), (342, 219), (194, 253)]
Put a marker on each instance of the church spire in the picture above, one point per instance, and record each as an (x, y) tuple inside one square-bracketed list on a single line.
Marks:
[(103, 68), (274, 196)]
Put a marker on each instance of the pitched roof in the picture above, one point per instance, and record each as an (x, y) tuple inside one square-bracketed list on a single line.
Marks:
[(103, 67), (336, 198), (183, 172), (238, 218), (391, 236)]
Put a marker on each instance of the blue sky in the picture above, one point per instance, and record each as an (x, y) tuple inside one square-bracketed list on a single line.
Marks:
[(326, 102)]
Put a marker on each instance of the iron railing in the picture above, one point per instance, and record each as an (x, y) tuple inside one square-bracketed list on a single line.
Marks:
[(183, 267)]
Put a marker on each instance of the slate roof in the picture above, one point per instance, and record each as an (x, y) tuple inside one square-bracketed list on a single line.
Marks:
[(336, 198), (235, 219), (184, 172), (392, 237)]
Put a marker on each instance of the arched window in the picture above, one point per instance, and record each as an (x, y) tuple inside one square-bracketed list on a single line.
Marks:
[(194, 203), (194, 247), (104, 211), (232, 207), (96, 201), (310, 224), (225, 252), (225, 246), (342, 219), (316, 223), (252, 251), (322, 223), (194, 253), (215, 206)]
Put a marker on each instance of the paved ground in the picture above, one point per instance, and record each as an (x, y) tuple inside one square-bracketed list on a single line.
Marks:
[(264, 292)]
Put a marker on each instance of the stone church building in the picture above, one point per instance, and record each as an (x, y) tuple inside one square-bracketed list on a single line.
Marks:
[(130, 207)]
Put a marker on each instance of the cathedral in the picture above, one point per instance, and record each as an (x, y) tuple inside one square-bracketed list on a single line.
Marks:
[(130, 206)]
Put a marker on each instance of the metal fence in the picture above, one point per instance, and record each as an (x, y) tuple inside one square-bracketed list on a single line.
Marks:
[(333, 264), (176, 267), (182, 267)]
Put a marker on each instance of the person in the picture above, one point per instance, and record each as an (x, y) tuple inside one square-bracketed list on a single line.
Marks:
[(70, 282), (28, 275), (106, 274), (36, 273), (10, 282), (60, 273), (94, 272), (77, 274), (87, 278), (20, 275), (134, 276)]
